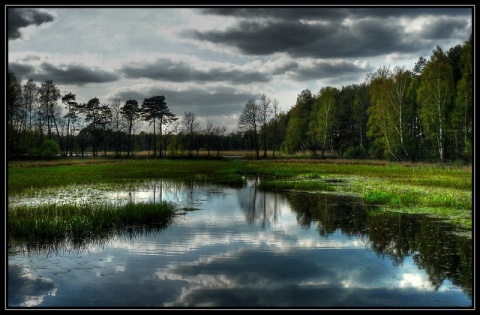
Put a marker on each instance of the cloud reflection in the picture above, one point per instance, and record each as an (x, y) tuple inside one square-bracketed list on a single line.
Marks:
[(250, 249), (26, 289)]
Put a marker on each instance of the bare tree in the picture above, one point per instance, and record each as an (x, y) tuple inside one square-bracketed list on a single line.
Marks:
[(219, 132), (249, 121), (264, 116), (48, 96), (275, 122), (30, 95), (209, 132), (171, 128), (190, 127), (70, 105)]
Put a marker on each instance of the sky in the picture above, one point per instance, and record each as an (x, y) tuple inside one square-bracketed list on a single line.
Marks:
[(212, 60)]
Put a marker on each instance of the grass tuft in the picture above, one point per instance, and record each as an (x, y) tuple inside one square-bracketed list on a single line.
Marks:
[(51, 223)]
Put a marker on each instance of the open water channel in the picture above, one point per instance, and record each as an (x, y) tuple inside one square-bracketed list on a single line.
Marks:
[(245, 248)]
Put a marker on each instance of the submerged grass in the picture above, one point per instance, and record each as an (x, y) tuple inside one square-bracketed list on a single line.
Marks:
[(52, 222)]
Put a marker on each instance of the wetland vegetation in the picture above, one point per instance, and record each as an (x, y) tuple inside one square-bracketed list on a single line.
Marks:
[(440, 190)]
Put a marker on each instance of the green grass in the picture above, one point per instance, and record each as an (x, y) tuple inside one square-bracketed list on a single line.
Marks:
[(52, 222), (23, 176)]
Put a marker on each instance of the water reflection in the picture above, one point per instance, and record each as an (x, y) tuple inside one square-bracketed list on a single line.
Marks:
[(433, 244), (259, 206), (249, 248)]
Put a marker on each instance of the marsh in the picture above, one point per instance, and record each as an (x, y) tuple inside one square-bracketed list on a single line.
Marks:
[(242, 248)]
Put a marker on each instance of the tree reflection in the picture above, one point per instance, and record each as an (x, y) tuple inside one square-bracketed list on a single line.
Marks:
[(259, 206), (433, 245)]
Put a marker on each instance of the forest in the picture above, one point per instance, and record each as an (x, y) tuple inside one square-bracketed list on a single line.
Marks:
[(422, 114)]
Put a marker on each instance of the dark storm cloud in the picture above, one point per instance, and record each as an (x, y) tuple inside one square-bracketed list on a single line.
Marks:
[(385, 12), (23, 17), (256, 38), (366, 32), (21, 71), (76, 74), (328, 70), (71, 74), (202, 102), (367, 38), (168, 70), (334, 14), (324, 14), (439, 29), (289, 66)]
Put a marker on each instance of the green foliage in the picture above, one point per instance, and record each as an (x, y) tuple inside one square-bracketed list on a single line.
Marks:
[(377, 197), (391, 113), (322, 119), (297, 127), (434, 97), (155, 109), (355, 153), (49, 149)]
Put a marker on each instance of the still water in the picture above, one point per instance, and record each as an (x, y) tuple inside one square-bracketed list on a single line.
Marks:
[(245, 248)]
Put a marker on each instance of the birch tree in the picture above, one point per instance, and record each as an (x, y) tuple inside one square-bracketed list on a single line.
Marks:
[(380, 115), (435, 96), (401, 113), (322, 121)]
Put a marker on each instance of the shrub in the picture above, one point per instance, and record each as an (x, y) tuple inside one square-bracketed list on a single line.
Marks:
[(355, 153), (49, 149)]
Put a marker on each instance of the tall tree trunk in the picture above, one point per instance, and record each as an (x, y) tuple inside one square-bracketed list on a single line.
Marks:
[(58, 134)]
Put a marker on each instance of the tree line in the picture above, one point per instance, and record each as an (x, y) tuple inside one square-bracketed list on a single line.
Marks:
[(39, 127), (423, 114)]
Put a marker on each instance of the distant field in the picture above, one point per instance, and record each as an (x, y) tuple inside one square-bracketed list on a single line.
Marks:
[(249, 154), (202, 152)]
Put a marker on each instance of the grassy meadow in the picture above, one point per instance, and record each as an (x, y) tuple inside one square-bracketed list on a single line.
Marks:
[(440, 190)]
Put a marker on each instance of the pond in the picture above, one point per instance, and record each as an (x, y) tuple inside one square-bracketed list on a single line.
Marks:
[(246, 248)]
